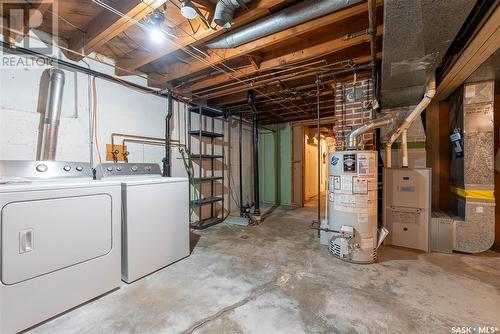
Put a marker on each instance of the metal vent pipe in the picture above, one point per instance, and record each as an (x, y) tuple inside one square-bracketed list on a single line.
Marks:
[(52, 115), (224, 11), (352, 137), (302, 12)]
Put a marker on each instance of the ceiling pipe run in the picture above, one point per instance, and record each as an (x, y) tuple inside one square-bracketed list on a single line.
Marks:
[(352, 137), (52, 115), (302, 12), (394, 135)]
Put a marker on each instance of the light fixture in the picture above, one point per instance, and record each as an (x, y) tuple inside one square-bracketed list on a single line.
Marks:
[(188, 10), (155, 22), (156, 35)]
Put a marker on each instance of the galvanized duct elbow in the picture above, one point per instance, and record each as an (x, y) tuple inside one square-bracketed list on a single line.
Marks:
[(52, 115), (302, 12), (352, 137), (224, 12)]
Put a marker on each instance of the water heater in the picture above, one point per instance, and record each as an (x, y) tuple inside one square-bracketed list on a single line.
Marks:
[(351, 231)]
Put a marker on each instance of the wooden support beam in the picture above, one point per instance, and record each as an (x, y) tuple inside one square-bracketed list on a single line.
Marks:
[(218, 56), (255, 59), (241, 96), (22, 17), (139, 58), (107, 25), (482, 46), (271, 120)]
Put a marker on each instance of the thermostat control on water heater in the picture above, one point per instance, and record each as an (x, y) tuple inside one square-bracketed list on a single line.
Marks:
[(350, 229)]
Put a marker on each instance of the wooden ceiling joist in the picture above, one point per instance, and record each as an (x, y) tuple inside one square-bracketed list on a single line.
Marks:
[(107, 25), (218, 56), (241, 96), (139, 58)]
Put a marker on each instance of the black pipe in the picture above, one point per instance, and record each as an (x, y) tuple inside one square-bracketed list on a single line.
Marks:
[(241, 165), (318, 128), (255, 137), (372, 18), (326, 76), (52, 60), (166, 160)]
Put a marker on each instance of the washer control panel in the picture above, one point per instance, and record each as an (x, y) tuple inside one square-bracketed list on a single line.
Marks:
[(127, 169), (44, 169)]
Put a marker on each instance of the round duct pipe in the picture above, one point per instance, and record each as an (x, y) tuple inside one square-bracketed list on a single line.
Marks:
[(52, 115), (224, 12), (302, 12)]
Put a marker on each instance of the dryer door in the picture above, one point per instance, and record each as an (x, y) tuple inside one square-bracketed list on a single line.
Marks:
[(42, 236)]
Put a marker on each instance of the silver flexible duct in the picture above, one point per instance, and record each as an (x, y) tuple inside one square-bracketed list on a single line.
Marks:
[(52, 115), (352, 137), (302, 12)]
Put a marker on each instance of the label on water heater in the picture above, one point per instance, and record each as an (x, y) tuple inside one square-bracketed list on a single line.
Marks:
[(350, 163), (359, 185), (337, 182)]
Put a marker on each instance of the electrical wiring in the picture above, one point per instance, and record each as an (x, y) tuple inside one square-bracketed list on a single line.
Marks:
[(189, 52)]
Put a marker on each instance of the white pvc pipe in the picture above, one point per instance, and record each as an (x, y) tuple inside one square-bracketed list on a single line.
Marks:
[(404, 148), (429, 94), (388, 156)]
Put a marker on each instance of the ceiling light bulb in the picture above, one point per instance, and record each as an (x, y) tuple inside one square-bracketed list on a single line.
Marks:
[(156, 35), (188, 10)]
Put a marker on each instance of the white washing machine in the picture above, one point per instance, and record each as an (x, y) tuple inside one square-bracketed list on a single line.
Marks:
[(60, 240), (155, 217)]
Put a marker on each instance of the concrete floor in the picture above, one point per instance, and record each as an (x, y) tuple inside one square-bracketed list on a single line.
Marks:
[(276, 278)]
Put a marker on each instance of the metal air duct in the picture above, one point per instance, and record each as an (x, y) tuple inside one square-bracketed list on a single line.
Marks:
[(302, 12), (224, 11), (426, 29), (52, 115)]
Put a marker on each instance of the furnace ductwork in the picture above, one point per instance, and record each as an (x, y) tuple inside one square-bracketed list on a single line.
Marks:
[(302, 12), (224, 12), (52, 115)]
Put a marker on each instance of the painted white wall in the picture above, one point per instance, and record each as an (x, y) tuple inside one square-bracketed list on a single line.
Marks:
[(120, 109)]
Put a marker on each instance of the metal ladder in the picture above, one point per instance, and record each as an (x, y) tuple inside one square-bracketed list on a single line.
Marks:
[(211, 116)]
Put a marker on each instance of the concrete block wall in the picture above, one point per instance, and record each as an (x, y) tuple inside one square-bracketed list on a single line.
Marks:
[(350, 115)]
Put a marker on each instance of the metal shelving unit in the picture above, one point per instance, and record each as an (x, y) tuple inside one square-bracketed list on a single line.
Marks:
[(211, 116)]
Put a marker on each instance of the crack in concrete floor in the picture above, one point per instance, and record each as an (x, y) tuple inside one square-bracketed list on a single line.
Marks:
[(280, 281)]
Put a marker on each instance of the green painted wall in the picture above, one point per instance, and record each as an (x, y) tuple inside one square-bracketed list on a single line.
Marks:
[(267, 162), (275, 162), (285, 170)]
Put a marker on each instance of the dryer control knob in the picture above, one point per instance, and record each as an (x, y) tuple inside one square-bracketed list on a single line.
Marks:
[(148, 168), (109, 169), (41, 168), (67, 168), (79, 168), (134, 168), (119, 169)]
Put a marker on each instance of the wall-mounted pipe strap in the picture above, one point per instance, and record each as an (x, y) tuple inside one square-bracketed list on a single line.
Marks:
[(474, 193)]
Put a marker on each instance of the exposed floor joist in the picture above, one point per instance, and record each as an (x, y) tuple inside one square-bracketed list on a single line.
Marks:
[(140, 58), (218, 56), (107, 25)]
